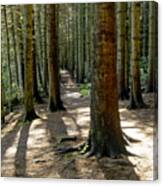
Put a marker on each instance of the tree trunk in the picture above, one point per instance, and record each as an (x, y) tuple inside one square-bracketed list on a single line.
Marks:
[(14, 43), (22, 47), (152, 48), (8, 58), (121, 45), (136, 100), (55, 102), (28, 95), (45, 50), (145, 12), (105, 131), (36, 95)]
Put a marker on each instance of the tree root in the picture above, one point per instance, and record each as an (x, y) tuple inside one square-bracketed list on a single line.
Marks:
[(64, 150), (129, 139)]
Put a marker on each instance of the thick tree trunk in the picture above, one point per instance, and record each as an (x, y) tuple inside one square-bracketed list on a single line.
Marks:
[(28, 95), (55, 102), (121, 49), (105, 131), (136, 100)]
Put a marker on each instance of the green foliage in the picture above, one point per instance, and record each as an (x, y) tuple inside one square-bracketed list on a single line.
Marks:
[(84, 89)]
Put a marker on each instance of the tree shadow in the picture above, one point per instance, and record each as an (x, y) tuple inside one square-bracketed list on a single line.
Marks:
[(20, 156), (8, 139), (118, 169)]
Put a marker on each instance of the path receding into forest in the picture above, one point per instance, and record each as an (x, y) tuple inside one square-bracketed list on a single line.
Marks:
[(29, 150)]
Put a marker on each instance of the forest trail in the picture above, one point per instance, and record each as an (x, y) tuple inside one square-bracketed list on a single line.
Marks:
[(29, 150)]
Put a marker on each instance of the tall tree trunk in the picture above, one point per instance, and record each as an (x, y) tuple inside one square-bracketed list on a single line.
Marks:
[(45, 49), (136, 100), (152, 48), (77, 43), (8, 58), (14, 43), (21, 21), (38, 44), (55, 102), (121, 46), (28, 95), (145, 30), (105, 131), (36, 95)]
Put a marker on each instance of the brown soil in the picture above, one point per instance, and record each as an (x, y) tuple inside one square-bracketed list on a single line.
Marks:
[(29, 150)]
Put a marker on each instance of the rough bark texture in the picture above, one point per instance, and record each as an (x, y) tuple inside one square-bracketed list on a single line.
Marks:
[(136, 100), (55, 102), (28, 95), (121, 46), (105, 131)]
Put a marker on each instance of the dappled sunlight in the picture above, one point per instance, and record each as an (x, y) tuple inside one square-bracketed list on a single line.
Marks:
[(30, 149), (8, 159)]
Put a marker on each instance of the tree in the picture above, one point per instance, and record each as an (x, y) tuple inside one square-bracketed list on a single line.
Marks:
[(55, 102), (136, 100), (36, 95), (45, 70), (105, 131), (28, 92), (8, 58), (152, 48), (121, 49), (14, 42)]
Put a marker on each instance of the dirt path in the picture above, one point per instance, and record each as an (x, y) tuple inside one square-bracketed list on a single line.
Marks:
[(30, 150)]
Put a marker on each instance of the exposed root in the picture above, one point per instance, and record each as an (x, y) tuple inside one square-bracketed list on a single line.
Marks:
[(129, 139), (64, 150), (68, 138)]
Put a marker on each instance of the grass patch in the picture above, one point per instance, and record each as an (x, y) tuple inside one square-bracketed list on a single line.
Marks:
[(84, 89)]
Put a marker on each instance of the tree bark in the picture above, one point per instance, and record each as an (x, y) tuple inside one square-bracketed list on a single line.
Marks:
[(121, 46), (45, 48), (14, 43), (136, 100), (105, 131), (8, 58), (152, 48), (55, 102), (28, 92)]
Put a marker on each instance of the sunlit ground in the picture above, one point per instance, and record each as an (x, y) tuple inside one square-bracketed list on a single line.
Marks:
[(30, 149)]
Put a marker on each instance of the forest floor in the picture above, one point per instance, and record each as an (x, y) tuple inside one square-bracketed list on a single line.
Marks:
[(30, 149)]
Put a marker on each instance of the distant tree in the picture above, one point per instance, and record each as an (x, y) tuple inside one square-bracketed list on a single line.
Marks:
[(45, 70), (105, 131), (152, 47), (55, 102), (8, 58), (136, 100), (36, 94), (12, 12), (121, 49), (28, 92)]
